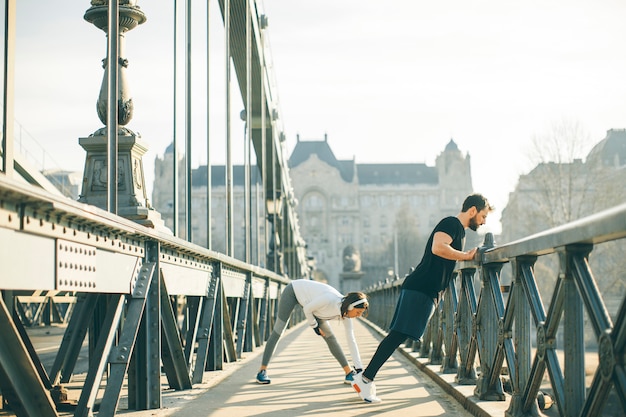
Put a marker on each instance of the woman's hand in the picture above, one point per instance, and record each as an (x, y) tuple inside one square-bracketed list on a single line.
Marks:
[(319, 331)]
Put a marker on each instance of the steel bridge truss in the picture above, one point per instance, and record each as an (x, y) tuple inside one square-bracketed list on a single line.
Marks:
[(140, 299), (144, 301)]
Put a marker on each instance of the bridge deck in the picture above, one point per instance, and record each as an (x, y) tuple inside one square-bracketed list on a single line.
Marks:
[(307, 381)]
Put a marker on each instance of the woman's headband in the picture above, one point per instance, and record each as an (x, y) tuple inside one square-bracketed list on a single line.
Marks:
[(356, 303)]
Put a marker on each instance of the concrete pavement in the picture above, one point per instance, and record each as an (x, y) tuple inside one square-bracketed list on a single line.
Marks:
[(307, 381)]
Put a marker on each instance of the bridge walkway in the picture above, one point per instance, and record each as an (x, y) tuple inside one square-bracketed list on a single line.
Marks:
[(307, 381)]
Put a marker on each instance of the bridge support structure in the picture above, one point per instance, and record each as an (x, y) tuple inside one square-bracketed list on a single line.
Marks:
[(516, 341)]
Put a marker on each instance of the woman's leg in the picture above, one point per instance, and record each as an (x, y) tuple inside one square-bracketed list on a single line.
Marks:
[(286, 305), (333, 345)]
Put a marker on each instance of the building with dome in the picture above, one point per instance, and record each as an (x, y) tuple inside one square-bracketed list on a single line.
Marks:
[(611, 151), (552, 194)]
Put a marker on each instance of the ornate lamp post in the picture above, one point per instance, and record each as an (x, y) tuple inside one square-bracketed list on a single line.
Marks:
[(274, 255), (132, 199)]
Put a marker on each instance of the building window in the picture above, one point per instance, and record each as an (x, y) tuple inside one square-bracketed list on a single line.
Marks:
[(311, 225), (313, 201)]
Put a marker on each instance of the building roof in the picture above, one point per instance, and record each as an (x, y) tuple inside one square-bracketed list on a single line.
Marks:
[(610, 151), (380, 174), (218, 176), (367, 174), (304, 149), (452, 146)]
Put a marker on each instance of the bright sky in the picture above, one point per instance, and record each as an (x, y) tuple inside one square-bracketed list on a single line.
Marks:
[(387, 81)]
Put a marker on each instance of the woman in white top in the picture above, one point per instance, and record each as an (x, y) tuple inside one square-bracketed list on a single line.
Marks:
[(320, 303)]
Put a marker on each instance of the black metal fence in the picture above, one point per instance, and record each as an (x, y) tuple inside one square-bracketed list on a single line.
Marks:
[(148, 304), (505, 341)]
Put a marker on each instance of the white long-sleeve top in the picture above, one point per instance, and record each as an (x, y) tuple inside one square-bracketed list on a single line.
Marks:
[(321, 301)]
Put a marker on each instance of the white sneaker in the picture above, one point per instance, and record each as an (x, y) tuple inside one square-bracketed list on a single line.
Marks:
[(367, 391)]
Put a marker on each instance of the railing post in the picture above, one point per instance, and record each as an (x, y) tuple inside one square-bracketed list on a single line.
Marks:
[(464, 323), (427, 339), (488, 387), (448, 328), (573, 330), (215, 359), (436, 353), (520, 374), (245, 324), (264, 328), (146, 383)]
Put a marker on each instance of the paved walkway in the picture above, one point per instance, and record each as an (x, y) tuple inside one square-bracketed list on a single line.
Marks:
[(307, 381)]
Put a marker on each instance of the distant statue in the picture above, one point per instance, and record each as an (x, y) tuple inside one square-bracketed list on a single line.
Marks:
[(351, 259)]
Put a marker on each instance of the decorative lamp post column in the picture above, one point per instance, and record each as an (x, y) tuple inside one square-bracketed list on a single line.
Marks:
[(274, 254), (132, 198)]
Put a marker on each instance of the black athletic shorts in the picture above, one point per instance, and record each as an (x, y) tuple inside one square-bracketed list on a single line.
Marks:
[(413, 311)]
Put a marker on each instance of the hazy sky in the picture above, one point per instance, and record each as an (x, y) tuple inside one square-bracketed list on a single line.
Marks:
[(386, 81)]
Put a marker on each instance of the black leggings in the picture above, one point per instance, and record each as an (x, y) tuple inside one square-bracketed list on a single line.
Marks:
[(385, 349)]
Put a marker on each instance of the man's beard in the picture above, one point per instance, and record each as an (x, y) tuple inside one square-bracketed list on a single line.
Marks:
[(473, 224)]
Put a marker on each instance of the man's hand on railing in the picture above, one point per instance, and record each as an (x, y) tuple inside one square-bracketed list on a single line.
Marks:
[(469, 255)]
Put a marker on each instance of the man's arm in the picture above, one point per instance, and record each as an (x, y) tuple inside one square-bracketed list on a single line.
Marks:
[(441, 247)]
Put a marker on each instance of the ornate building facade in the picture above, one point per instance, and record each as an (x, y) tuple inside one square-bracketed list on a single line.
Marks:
[(362, 223), (383, 212)]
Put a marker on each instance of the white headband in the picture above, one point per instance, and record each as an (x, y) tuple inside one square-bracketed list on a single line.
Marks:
[(356, 303)]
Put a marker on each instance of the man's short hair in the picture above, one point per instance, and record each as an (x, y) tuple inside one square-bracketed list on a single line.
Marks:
[(478, 201)]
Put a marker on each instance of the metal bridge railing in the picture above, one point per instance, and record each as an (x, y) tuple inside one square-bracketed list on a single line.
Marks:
[(147, 302), (482, 334)]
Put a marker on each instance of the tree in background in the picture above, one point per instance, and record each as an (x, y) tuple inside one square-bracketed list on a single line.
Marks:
[(557, 189), (563, 183), (562, 187)]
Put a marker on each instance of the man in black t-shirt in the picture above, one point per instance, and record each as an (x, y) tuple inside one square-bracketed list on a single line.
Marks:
[(422, 287)]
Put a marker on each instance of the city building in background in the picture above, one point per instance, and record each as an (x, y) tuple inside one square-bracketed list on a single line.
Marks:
[(163, 202), (362, 223), (552, 194), (67, 182), (377, 216)]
